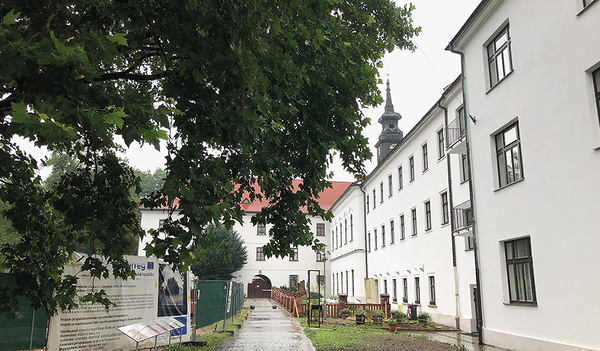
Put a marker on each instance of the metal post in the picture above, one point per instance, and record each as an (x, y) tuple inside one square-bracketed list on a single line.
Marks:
[(155, 342), (225, 309), (31, 333)]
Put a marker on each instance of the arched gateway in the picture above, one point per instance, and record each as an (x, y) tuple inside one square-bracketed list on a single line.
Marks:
[(260, 286)]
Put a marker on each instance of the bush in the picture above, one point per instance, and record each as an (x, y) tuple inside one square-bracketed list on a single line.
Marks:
[(315, 295), (378, 314), (360, 312), (285, 288), (424, 315)]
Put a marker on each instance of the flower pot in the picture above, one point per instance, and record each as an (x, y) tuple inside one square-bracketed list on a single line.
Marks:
[(392, 327)]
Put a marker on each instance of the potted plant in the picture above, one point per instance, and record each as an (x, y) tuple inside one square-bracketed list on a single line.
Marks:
[(360, 316), (432, 302), (378, 316), (405, 300), (392, 324), (346, 312), (424, 317)]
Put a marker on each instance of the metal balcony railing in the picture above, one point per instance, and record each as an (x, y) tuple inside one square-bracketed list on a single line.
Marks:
[(463, 216), (455, 131)]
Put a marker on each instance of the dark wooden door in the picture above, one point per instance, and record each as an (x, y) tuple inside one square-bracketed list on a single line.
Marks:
[(259, 288)]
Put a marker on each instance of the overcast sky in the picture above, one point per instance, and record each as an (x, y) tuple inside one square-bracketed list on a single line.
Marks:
[(417, 79)]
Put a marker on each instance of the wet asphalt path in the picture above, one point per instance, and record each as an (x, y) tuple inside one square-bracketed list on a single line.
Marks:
[(268, 329)]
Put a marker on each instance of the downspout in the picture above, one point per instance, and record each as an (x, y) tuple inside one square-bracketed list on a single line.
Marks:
[(478, 305), (451, 217)]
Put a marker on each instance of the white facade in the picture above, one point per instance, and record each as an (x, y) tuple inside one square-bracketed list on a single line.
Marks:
[(278, 271), (347, 246), (545, 203), (400, 256)]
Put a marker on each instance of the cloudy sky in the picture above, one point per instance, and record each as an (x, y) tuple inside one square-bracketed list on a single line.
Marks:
[(417, 78)]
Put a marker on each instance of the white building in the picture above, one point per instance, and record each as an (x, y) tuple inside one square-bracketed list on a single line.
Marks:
[(261, 273), (411, 252), (532, 85)]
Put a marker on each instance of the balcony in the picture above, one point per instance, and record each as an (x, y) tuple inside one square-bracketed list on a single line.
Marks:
[(463, 219), (456, 136)]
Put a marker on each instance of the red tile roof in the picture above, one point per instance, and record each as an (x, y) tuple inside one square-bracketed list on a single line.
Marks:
[(326, 198)]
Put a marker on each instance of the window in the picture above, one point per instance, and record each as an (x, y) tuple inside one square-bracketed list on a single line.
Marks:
[(260, 256), (333, 285), (411, 164), (332, 240), (441, 147), (369, 242), (321, 279), (404, 289), (392, 233), (519, 267), (464, 168), (425, 158), (321, 256), (390, 191), (383, 236), (337, 282), (374, 199), (293, 281), (596, 78), (394, 290), (414, 221), (417, 290), (351, 228), (367, 203), (341, 282), (444, 200), (402, 228), (347, 282), (320, 229), (375, 238), (385, 289), (431, 290), (337, 242), (345, 231), (400, 180), (353, 282), (294, 256), (161, 223), (261, 229), (469, 243), (499, 57), (381, 192), (427, 215), (508, 154)]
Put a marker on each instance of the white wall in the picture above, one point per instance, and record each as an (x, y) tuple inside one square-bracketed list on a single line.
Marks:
[(550, 93), (349, 255)]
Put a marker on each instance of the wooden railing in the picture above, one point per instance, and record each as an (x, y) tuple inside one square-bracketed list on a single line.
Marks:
[(293, 302)]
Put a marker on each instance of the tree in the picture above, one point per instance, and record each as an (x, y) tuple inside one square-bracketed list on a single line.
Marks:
[(151, 182), (221, 260), (256, 93)]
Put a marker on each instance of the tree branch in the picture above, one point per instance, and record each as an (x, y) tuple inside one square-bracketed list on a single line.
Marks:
[(130, 76)]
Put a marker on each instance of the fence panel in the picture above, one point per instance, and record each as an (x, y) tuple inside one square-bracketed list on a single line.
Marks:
[(212, 302), (15, 333)]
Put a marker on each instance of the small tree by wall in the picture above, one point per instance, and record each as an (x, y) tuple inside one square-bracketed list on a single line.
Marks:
[(221, 260)]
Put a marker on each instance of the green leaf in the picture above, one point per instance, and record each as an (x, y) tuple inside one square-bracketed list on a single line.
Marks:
[(116, 117), (10, 17), (118, 38)]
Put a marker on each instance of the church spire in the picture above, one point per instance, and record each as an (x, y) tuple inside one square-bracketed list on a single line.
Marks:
[(390, 133)]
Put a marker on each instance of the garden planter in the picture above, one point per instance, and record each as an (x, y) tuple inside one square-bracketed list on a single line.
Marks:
[(392, 327), (360, 319)]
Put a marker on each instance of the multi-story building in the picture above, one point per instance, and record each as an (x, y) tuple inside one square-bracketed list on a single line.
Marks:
[(532, 88), (408, 247), (261, 273)]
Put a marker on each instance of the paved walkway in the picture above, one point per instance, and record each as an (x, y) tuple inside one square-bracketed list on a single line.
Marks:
[(471, 343), (268, 329)]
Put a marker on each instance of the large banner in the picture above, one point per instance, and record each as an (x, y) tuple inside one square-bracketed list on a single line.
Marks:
[(156, 291)]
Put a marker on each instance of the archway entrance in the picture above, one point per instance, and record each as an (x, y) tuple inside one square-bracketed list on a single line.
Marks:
[(260, 286)]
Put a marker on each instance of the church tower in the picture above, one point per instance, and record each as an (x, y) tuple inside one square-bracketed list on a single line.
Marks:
[(390, 133)]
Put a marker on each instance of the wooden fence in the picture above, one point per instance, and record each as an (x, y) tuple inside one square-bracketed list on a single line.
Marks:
[(294, 303)]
